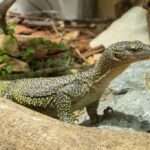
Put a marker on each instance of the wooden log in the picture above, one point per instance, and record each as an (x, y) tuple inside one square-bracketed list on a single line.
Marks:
[(24, 129)]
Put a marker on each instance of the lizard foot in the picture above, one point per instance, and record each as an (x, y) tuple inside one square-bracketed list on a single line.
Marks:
[(107, 113)]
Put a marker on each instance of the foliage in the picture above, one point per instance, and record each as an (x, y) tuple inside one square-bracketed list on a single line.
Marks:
[(38, 53), (9, 43), (52, 54), (5, 67), (28, 53), (11, 28)]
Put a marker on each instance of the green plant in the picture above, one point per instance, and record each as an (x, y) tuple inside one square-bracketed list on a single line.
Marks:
[(5, 70), (4, 58), (28, 53)]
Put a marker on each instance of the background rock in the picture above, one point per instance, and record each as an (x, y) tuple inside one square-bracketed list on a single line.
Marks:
[(131, 26)]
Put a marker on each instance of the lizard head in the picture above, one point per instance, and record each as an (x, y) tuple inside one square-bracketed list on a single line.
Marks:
[(127, 52)]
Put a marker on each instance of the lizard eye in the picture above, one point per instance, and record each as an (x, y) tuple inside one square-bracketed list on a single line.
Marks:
[(117, 56)]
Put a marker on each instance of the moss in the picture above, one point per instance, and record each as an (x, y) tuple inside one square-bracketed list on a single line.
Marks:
[(42, 53), (28, 54), (4, 58), (45, 44), (9, 42), (5, 70), (39, 53), (10, 45)]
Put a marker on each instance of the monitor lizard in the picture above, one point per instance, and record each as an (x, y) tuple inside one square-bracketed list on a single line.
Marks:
[(68, 93)]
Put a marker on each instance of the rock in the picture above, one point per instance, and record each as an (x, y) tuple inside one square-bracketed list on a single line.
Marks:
[(23, 129), (133, 77), (131, 26), (132, 110), (129, 99)]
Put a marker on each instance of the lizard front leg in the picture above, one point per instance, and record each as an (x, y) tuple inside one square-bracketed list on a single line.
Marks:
[(92, 112), (63, 108)]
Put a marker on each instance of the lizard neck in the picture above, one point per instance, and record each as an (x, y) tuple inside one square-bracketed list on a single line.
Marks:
[(102, 66), (108, 67)]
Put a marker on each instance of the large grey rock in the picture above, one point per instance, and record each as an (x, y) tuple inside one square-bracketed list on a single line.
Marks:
[(132, 110), (133, 77), (129, 99)]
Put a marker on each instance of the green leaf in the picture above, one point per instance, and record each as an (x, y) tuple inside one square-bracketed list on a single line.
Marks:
[(8, 69), (28, 53), (4, 58)]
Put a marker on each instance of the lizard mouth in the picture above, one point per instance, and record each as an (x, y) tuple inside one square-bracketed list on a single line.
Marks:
[(142, 55)]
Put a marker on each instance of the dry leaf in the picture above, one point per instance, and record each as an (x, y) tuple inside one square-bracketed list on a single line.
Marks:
[(71, 36)]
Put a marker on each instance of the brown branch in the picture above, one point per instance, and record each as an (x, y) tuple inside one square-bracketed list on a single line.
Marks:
[(4, 6), (80, 55)]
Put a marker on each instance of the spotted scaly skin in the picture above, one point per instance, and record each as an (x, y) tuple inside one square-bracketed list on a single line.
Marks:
[(65, 94)]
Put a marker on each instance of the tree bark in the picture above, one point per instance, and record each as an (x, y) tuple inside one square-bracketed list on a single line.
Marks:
[(24, 129)]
